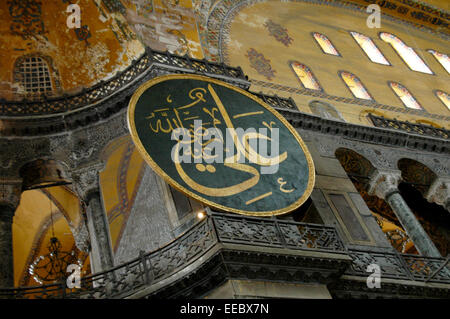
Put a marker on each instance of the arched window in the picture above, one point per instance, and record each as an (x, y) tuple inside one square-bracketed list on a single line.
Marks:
[(325, 44), (405, 96), (304, 74), (369, 48), (355, 86), (444, 97), (443, 59), (33, 73), (407, 53)]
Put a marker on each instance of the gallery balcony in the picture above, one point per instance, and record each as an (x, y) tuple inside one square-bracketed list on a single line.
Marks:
[(218, 247)]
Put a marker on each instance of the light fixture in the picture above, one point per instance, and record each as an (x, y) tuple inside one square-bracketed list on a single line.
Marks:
[(200, 215), (52, 267)]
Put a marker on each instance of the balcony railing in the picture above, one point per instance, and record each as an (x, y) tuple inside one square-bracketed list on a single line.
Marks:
[(414, 128), (277, 102), (153, 267), (401, 266)]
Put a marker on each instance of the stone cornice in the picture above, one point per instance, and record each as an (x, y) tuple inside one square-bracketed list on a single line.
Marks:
[(365, 134)]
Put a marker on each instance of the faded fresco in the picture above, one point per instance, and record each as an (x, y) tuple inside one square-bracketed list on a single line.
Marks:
[(165, 25)]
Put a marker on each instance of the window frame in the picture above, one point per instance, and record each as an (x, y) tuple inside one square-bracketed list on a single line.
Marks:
[(348, 88), (407, 107), (318, 44), (365, 53), (435, 94), (290, 62), (401, 58), (440, 63)]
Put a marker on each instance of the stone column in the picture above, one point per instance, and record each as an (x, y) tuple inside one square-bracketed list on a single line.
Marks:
[(88, 187), (384, 185), (439, 192), (9, 200)]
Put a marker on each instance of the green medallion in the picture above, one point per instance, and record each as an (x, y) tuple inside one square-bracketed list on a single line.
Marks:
[(220, 145)]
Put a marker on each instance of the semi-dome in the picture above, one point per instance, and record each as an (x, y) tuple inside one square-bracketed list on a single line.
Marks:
[(42, 55)]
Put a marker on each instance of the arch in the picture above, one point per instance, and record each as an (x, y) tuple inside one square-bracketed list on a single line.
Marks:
[(325, 44), (405, 96), (408, 55), (41, 214), (435, 220), (355, 165), (355, 85), (442, 58), (358, 169), (416, 173), (120, 181), (369, 48), (305, 76)]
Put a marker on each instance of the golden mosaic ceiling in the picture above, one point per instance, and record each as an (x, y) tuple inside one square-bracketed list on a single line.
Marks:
[(76, 58)]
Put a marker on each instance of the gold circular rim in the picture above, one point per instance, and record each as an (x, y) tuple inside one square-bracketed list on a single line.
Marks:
[(131, 125)]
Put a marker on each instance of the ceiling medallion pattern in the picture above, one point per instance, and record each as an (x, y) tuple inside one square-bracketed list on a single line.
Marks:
[(260, 63), (278, 32)]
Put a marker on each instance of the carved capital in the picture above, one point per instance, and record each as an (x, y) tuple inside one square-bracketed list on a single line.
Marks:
[(10, 194), (86, 180), (81, 235), (439, 192), (384, 183)]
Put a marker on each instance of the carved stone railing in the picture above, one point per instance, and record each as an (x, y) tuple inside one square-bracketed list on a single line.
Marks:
[(254, 231), (123, 79), (413, 128), (153, 267), (401, 266)]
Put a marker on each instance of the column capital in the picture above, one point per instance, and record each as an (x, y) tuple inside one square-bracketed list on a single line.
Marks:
[(439, 192), (383, 183), (86, 180), (10, 193)]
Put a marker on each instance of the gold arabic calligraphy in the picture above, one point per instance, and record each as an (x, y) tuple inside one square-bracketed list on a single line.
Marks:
[(166, 119)]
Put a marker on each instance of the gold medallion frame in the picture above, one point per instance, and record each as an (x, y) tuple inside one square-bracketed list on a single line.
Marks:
[(132, 128)]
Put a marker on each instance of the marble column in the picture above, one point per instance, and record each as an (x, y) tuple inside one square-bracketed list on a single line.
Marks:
[(9, 200), (439, 192), (384, 185), (88, 187)]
